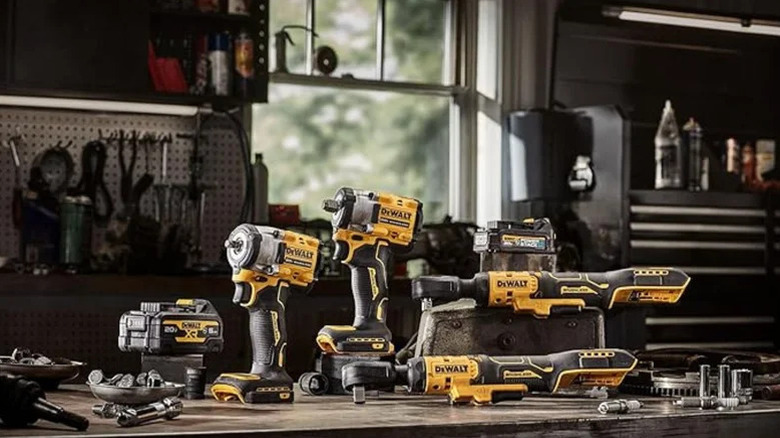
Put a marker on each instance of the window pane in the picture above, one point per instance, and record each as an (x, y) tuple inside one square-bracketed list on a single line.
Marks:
[(316, 140), (283, 13), (349, 27), (414, 40)]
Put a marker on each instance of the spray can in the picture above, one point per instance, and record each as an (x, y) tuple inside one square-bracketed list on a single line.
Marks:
[(668, 159), (243, 65), (219, 63)]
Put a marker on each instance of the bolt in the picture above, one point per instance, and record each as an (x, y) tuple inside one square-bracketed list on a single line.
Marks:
[(619, 406), (704, 380), (571, 324), (456, 324), (724, 386)]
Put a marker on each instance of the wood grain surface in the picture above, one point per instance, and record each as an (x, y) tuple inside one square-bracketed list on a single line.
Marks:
[(397, 415)]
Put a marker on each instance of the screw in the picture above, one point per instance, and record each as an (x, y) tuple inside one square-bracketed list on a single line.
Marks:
[(619, 406), (456, 324), (571, 324)]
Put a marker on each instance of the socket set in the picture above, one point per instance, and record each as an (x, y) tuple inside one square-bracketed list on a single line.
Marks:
[(734, 388)]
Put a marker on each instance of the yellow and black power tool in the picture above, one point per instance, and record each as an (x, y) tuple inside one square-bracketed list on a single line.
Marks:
[(367, 228), (481, 379), (541, 293), (267, 263)]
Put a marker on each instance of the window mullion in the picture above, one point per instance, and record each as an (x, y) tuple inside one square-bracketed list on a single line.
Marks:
[(309, 45), (380, 39)]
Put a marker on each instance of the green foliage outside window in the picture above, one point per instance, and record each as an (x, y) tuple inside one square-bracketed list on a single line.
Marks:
[(315, 140)]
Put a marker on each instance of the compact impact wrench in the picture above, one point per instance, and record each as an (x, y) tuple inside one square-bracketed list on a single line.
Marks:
[(368, 227), (480, 379), (540, 293), (267, 263)]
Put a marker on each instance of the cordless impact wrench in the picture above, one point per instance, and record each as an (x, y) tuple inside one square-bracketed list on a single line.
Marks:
[(267, 263), (368, 227), (481, 379), (541, 293)]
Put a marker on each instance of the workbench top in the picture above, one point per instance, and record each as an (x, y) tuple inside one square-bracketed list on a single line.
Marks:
[(398, 415)]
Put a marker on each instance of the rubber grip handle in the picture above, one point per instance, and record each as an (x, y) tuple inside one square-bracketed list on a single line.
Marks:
[(268, 329), (450, 288), (369, 265)]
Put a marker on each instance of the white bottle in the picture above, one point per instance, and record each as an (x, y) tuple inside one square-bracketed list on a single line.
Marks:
[(668, 156)]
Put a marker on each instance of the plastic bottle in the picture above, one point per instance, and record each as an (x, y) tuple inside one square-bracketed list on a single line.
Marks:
[(260, 172), (668, 162)]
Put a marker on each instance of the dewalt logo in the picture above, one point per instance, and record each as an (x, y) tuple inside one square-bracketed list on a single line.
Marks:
[(512, 283), (300, 253), (190, 325), (444, 369), (395, 214)]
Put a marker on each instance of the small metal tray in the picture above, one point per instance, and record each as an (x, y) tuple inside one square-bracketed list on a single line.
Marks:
[(48, 376), (136, 395)]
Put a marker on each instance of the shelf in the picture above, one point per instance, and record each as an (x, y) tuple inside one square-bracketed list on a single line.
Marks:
[(215, 102), (697, 199), (214, 18)]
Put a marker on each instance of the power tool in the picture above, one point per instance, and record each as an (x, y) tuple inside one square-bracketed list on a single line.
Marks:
[(188, 326), (481, 379), (367, 228), (23, 402), (267, 263), (541, 293)]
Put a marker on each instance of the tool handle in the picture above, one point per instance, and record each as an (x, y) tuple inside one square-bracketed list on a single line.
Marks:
[(548, 373), (369, 266), (624, 286), (268, 328)]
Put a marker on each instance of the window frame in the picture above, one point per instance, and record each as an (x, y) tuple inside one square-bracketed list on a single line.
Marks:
[(458, 84)]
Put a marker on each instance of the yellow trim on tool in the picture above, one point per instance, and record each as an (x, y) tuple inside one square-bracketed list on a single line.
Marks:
[(224, 392), (607, 371), (677, 290)]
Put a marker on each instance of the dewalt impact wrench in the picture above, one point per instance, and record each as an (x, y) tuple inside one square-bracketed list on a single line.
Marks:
[(541, 293), (481, 379), (367, 228), (267, 263)]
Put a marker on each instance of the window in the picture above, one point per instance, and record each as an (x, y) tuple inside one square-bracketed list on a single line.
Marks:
[(315, 140), (317, 137)]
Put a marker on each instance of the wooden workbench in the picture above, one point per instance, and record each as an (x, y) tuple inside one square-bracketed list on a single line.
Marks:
[(404, 416)]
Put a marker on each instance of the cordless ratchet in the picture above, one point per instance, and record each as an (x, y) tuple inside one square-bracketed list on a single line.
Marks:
[(540, 293), (481, 379)]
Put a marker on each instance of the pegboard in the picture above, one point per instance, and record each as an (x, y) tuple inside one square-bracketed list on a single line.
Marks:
[(222, 165)]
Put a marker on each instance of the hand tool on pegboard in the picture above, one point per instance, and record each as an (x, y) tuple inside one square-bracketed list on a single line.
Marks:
[(131, 191), (267, 262), (92, 183), (12, 145)]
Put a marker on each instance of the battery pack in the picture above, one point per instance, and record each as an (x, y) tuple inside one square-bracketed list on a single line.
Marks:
[(516, 246), (188, 326)]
